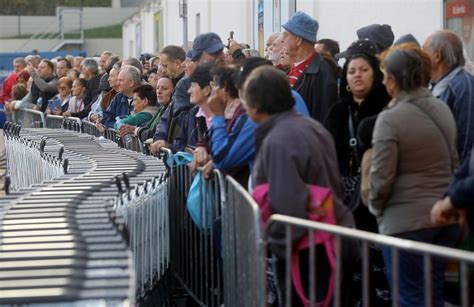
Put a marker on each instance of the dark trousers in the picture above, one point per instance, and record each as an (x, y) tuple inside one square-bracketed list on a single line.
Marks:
[(350, 253), (412, 283)]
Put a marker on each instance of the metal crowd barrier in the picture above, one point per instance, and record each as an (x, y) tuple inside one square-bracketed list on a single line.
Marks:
[(145, 211), (428, 251), (89, 262), (33, 156), (90, 128), (29, 118), (244, 255), (133, 143), (59, 121), (195, 253)]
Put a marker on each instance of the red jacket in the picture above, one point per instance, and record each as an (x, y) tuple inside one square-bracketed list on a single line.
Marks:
[(8, 84)]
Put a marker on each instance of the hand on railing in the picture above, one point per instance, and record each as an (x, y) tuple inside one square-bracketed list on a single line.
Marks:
[(126, 129), (208, 170), (156, 146), (99, 126), (201, 157)]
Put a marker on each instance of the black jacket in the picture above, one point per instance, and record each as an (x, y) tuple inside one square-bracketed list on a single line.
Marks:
[(318, 87), (92, 92), (45, 96), (337, 123)]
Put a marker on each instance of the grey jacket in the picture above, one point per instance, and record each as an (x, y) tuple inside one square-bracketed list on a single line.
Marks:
[(293, 151), (414, 156)]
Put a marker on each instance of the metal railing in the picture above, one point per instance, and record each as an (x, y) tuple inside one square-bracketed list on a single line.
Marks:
[(29, 154), (397, 245), (244, 256), (90, 128), (224, 262), (195, 253), (28, 118), (59, 121), (145, 212)]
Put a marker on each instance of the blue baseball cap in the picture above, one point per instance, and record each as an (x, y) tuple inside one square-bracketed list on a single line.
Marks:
[(209, 42)]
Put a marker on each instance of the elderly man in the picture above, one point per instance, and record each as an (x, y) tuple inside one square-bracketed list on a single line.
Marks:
[(103, 60), (269, 45), (310, 75), (277, 49), (19, 64), (453, 84), (121, 105)]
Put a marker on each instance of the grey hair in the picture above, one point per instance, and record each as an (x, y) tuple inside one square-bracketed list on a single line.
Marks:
[(449, 46), (107, 53), (91, 64), (406, 66), (20, 60), (133, 73), (135, 63)]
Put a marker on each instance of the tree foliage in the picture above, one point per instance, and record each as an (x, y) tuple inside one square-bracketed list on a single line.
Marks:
[(44, 7)]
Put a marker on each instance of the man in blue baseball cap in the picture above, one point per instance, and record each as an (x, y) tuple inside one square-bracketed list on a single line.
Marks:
[(310, 75), (207, 47)]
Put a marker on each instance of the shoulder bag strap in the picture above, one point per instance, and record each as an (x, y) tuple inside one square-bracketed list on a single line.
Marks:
[(441, 130), (353, 139)]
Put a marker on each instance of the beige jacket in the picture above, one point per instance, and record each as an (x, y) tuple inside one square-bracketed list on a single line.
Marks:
[(414, 156)]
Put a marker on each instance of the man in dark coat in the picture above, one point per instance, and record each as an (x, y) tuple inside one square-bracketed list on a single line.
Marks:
[(311, 76)]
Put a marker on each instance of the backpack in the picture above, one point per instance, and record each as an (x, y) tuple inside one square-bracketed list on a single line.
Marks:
[(320, 209)]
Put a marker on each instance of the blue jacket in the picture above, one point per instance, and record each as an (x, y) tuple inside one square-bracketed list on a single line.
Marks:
[(236, 148), (459, 96), (119, 106), (300, 105), (461, 190)]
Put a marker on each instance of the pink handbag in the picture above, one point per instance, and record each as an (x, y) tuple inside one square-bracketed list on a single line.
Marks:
[(320, 209)]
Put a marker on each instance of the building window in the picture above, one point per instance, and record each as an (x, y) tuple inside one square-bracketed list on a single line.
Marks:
[(458, 18)]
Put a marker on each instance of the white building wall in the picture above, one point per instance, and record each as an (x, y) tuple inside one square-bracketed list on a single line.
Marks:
[(129, 43), (338, 19)]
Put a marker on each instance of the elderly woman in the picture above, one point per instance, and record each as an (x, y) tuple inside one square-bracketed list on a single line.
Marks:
[(59, 103), (76, 103), (144, 107), (414, 156)]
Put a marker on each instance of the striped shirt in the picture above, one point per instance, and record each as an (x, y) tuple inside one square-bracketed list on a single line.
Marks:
[(297, 69)]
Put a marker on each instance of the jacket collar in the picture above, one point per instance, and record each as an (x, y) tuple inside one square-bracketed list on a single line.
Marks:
[(413, 95), (151, 109), (313, 67), (264, 129), (439, 88)]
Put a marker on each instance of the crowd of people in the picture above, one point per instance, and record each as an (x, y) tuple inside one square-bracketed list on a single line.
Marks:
[(390, 132)]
